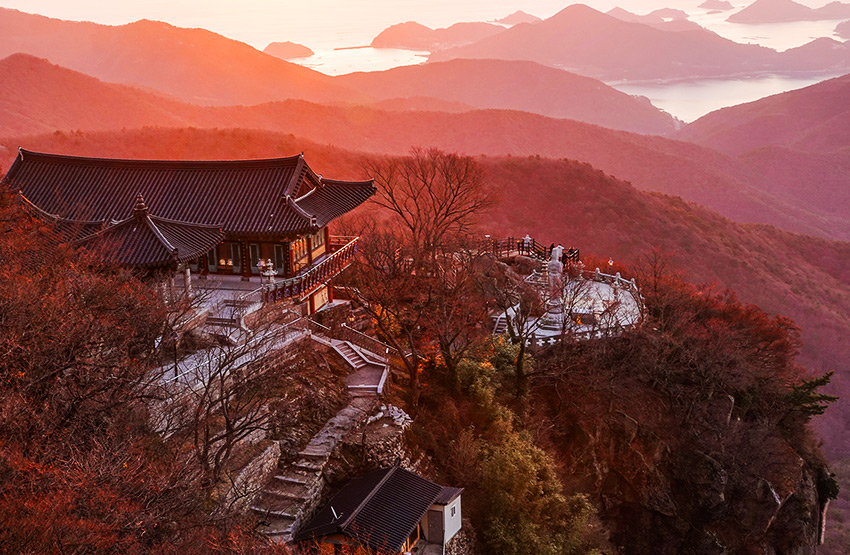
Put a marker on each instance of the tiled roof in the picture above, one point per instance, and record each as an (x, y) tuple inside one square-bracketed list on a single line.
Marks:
[(145, 240), (448, 495), (334, 198), (241, 196), (379, 509)]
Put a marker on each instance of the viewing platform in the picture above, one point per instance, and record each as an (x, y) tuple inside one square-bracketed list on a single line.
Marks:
[(578, 303)]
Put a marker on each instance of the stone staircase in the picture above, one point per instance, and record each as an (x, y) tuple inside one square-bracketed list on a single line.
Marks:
[(500, 324), (369, 369), (290, 497)]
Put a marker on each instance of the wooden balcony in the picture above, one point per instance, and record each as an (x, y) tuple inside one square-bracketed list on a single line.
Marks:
[(311, 278)]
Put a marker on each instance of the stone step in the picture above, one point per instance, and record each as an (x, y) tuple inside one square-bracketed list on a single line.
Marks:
[(290, 511), (313, 453), (282, 488), (278, 526), (362, 393), (270, 498), (308, 465), (292, 478), (369, 356)]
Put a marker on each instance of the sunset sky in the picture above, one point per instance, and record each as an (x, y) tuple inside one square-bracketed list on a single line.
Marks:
[(319, 22)]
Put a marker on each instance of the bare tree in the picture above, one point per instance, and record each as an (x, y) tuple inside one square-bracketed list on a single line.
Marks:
[(573, 303), (523, 307), (432, 194), (222, 394), (461, 307), (387, 286), (409, 276)]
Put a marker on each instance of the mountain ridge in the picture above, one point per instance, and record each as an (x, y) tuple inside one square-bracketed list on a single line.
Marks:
[(195, 65), (588, 42), (651, 163)]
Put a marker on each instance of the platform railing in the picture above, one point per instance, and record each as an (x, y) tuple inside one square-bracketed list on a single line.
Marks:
[(311, 278)]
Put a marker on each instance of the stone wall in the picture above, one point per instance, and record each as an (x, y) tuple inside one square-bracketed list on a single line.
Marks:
[(248, 481), (464, 541)]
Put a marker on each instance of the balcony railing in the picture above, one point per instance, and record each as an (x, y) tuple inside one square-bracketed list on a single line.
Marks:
[(314, 276)]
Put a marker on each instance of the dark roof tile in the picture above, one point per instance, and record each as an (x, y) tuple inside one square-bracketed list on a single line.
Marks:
[(241, 196), (144, 240), (382, 508)]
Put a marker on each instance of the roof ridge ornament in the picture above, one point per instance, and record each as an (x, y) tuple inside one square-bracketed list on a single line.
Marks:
[(140, 209)]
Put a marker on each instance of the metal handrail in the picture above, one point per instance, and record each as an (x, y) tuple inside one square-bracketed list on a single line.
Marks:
[(247, 355), (354, 336), (516, 245)]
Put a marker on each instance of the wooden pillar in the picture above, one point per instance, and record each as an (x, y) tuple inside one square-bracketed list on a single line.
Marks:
[(246, 261)]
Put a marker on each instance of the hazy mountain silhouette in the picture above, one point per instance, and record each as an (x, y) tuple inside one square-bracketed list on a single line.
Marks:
[(193, 64), (719, 5), (810, 119), (421, 104), (775, 11), (834, 56), (415, 36), (652, 163), (581, 39), (666, 19), (38, 97), (204, 68), (843, 29), (517, 17), (797, 143), (288, 50), (517, 85)]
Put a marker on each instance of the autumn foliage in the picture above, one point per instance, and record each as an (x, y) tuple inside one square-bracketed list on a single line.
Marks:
[(81, 470)]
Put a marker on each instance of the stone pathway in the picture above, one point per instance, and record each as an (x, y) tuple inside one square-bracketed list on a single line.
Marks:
[(292, 495)]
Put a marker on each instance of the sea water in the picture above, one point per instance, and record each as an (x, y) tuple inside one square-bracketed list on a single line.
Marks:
[(690, 99)]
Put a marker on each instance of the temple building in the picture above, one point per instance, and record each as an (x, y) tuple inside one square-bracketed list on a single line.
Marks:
[(387, 512), (237, 221)]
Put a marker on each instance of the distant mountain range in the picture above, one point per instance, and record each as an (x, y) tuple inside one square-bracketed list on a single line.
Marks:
[(195, 65), (588, 42), (776, 11), (811, 119), (666, 19), (719, 5), (207, 69), (798, 142), (518, 17), (516, 85), (652, 163), (415, 36)]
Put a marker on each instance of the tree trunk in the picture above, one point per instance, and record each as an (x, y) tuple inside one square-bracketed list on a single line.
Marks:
[(521, 378)]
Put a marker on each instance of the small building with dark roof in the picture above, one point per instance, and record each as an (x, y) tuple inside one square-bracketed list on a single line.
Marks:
[(238, 217), (387, 511)]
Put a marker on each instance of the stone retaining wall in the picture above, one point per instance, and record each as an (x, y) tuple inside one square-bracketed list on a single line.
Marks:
[(249, 481)]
